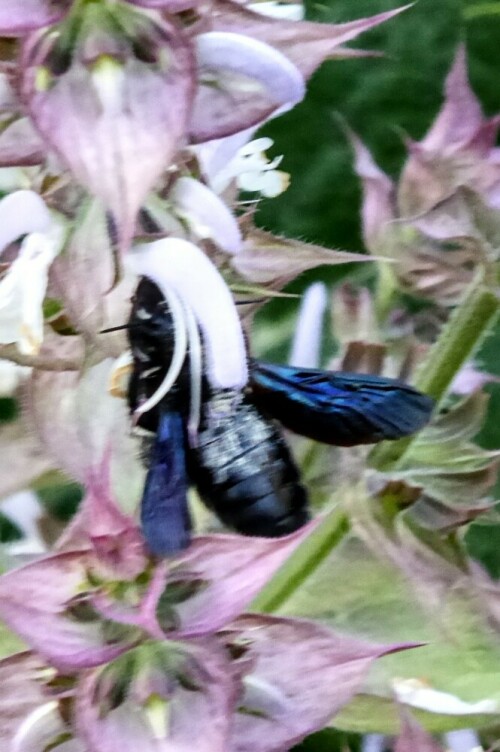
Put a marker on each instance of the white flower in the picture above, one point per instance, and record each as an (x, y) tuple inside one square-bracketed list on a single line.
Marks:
[(206, 214), (22, 289), (253, 171)]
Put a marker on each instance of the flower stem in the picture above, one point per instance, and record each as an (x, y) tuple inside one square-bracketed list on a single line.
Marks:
[(386, 287), (459, 339), (302, 563)]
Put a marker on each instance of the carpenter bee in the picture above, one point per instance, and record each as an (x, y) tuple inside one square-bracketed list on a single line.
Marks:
[(239, 460)]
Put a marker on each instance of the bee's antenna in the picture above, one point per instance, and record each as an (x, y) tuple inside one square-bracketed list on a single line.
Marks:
[(117, 328)]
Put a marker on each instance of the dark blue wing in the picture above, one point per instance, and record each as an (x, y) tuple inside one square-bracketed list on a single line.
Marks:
[(164, 510), (339, 408)]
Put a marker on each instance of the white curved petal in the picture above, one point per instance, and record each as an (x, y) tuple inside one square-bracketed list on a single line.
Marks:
[(22, 212), (416, 693), (273, 9), (256, 146), (176, 264), (40, 729), (307, 338), (206, 214), (275, 183), (253, 59), (22, 290), (241, 82)]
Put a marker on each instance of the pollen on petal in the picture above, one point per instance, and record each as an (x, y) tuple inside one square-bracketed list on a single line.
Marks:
[(120, 374)]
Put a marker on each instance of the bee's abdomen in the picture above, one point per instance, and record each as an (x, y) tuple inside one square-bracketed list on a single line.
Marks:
[(244, 471)]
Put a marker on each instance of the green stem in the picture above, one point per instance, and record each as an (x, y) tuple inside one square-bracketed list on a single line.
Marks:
[(481, 9), (386, 287), (302, 563), (459, 339)]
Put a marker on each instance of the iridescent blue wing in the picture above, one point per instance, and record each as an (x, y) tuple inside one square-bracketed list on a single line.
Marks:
[(164, 509), (337, 408)]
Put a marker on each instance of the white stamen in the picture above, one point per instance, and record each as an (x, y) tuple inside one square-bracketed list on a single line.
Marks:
[(195, 375), (178, 355)]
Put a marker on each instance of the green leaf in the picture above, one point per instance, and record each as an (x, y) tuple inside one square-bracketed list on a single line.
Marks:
[(454, 475), (364, 595)]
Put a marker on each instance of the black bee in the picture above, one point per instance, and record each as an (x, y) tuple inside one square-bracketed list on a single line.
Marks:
[(240, 462)]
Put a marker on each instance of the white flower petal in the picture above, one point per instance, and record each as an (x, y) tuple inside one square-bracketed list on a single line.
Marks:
[(307, 338), (242, 81), (258, 145), (417, 694), (274, 163), (176, 264), (273, 9), (22, 290), (41, 728), (270, 183), (250, 181), (22, 212), (215, 157), (275, 183), (206, 214)]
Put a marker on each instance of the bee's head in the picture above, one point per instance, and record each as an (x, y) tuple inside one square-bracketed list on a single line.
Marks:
[(150, 326)]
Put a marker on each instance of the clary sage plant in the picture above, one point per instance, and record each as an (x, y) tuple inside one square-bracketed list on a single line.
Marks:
[(126, 133)]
